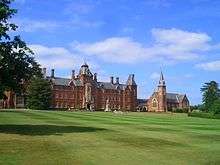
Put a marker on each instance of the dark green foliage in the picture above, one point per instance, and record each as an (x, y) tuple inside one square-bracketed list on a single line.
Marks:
[(180, 110), (210, 93), (204, 115), (17, 64), (215, 107), (39, 94)]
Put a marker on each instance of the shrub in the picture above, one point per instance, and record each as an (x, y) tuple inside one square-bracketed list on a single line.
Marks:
[(204, 115), (180, 110), (215, 107)]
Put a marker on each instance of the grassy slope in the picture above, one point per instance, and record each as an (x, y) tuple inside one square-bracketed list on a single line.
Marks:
[(37, 137)]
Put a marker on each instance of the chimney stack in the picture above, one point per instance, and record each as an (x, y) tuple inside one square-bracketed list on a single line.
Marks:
[(95, 76), (52, 73), (44, 72), (117, 80), (73, 74), (112, 80)]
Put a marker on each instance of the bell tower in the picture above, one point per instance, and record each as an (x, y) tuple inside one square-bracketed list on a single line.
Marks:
[(162, 101)]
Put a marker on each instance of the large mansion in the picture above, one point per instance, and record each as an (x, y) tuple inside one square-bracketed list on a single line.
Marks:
[(84, 91)]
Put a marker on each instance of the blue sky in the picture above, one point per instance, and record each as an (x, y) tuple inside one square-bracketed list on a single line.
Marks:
[(119, 37)]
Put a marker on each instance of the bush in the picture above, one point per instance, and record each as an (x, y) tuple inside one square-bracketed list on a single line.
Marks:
[(180, 110), (215, 107), (204, 115)]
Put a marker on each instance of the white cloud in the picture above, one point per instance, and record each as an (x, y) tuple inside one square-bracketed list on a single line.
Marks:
[(167, 45), (210, 66), (76, 22), (28, 25), (61, 58), (117, 50), (55, 57)]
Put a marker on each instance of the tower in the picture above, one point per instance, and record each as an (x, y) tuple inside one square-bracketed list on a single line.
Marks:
[(162, 101), (132, 86)]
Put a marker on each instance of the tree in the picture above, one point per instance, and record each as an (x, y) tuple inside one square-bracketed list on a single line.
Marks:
[(39, 94), (211, 94), (215, 107), (17, 64)]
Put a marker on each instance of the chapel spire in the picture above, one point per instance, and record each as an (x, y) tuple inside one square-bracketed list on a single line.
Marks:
[(162, 80)]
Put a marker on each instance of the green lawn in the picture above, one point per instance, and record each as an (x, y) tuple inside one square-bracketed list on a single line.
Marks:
[(55, 137)]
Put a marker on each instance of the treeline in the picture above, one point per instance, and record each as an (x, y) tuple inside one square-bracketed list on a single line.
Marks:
[(210, 106)]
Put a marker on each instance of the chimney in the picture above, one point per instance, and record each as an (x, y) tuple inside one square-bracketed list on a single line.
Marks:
[(95, 76), (44, 72), (117, 80), (112, 80), (73, 74), (52, 73)]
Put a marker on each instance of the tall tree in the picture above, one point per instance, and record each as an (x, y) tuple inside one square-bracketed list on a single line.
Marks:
[(210, 93), (17, 63), (39, 94)]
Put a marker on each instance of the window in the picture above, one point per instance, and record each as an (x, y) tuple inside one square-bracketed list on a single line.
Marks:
[(154, 103)]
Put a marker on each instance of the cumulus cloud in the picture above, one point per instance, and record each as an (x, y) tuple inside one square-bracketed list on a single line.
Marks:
[(167, 44), (117, 50), (55, 57), (28, 25), (76, 22), (62, 59), (210, 66)]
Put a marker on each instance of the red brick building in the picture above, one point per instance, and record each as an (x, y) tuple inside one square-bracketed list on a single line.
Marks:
[(161, 101), (85, 91)]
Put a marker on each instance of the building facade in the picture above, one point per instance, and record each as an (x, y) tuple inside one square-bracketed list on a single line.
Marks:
[(86, 92), (161, 101)]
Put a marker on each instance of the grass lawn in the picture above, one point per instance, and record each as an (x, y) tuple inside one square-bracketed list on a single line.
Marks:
[(55, 137)]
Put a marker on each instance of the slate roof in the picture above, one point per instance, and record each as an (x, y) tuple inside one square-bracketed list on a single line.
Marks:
[(174, 97), (77, 82), (142, 102), (108, 85)]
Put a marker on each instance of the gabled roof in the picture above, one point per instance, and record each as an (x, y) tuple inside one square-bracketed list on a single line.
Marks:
[(175, 97), (64, 81), (108, 85), (77, 82)]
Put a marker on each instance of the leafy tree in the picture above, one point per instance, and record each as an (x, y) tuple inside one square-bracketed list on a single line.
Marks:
[(39, 94), (17, 64), (211, 93), (215, 107)]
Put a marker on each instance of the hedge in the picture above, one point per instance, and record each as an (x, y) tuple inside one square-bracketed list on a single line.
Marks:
[(204, 115)]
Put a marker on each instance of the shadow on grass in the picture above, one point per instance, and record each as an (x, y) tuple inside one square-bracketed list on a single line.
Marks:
[(34, 130)]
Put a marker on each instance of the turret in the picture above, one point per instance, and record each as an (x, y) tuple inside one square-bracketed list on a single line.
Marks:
[(132, 86), (84, 74)]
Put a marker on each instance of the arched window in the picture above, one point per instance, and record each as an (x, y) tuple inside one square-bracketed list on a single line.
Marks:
[(154, 102)]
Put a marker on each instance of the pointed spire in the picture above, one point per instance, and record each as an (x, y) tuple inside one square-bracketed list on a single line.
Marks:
[(162, 81)]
